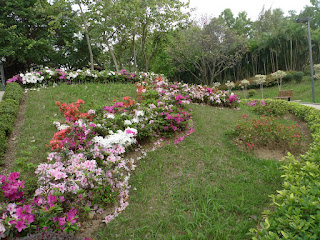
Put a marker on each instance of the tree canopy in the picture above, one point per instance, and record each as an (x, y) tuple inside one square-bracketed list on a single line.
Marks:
[(155, 35)]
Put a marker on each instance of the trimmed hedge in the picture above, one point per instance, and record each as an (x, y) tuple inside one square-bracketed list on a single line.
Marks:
[(295, 210), (9, 108), (13, 91)]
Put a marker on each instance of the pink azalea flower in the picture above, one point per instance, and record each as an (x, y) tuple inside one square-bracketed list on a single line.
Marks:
[(13, 176), (20, 225)]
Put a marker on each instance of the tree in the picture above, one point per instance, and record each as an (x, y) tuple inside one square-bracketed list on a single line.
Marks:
[(24, 32), (121, 24), (207, 52)]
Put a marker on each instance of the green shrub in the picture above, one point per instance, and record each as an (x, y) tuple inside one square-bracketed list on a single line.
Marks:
[(289, 77), (9, 106), (13, 91), (3, 144), (298, 76), (7, 123), (269, 107), (251, 93), (295, 214)]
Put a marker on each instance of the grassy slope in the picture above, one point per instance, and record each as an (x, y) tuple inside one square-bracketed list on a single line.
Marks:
[(301, 91), (202, 188)]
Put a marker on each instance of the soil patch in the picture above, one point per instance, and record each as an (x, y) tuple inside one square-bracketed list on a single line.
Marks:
[(278, 152), (10, 154)]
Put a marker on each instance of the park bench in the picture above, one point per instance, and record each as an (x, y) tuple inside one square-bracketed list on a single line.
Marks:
[(285, 94)]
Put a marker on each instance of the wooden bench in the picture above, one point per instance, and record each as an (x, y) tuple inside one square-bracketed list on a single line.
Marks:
[(285, 94)]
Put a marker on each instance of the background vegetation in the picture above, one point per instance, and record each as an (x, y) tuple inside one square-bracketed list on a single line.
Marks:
[(159, 36)]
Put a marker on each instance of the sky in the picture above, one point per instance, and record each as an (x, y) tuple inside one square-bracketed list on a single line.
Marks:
[(213, 8)]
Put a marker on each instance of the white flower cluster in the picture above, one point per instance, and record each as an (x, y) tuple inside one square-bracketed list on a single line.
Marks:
[(245, 82), (124, 138), (216, 84), (278, 74), (60, 126), (72, 75), (260, 79), (31, 77), (230, 85)]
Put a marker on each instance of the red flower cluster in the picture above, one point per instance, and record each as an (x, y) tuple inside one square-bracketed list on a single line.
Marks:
[(71, 111), (56, 141), (127, 101)]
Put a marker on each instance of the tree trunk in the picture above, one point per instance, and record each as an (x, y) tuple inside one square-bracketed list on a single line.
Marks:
[(134, 51), (87, 36), (143, 46), (112, 54)]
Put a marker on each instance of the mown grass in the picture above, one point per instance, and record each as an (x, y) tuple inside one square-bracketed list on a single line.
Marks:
[(203, 188), (38, 130), (301, 91)]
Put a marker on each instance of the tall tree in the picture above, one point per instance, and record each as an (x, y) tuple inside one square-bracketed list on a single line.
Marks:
[(207, 52)]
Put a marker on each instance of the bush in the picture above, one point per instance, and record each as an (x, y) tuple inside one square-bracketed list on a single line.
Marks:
[(7, 123), (251, 93), (9, 106), (269, 132), (13, 91), (269, 107), (298, 76), (289, 77), (295, 211), (3, 144)]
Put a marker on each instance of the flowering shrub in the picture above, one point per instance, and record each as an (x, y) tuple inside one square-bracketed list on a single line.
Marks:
[(47, 76), (268, 131), (269, 107)]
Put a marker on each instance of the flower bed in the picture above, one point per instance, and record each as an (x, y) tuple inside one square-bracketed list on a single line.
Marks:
[(86, 170)]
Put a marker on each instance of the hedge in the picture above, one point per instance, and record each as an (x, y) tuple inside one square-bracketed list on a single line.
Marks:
[(295, 211), (9, 108)]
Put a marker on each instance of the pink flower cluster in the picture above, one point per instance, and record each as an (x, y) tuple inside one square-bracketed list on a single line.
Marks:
[(12, 186)]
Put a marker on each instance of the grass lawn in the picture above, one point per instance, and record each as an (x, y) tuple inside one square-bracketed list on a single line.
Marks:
[(301, 91), (202, 188)]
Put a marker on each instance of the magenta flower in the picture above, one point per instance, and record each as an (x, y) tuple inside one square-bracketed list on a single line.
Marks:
[(13, 176), (20, 225)]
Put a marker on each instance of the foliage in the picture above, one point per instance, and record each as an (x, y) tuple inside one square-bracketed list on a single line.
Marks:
[(13, 91), (298, 76), (207, 51), (251, 93), (316, 68), (289, 77), (269, 107), (269, 132), (294, 215)]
